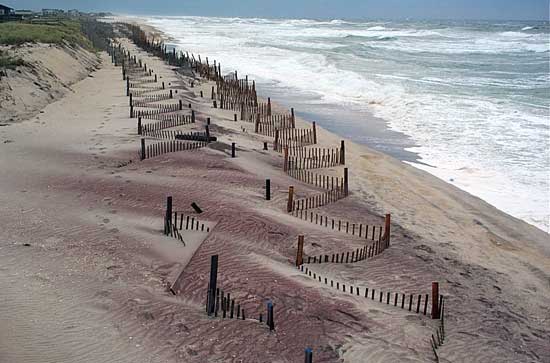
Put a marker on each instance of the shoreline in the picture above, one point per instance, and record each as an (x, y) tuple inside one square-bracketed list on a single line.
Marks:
[(84, 227)]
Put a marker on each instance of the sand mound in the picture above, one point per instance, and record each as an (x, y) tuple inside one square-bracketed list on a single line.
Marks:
[(47, 75)]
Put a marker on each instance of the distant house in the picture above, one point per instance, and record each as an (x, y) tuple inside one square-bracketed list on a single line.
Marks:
[(73, 13), (52, 12), (6, 11), (25, 14)]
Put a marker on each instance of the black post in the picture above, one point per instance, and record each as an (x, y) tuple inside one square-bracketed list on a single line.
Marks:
[(193, 116), (208, 120), (270, 321), (142, 149), (171, 94), (139, 126), (232, 149), (265, 145), (207, 133), (213, 282), (163, 85), (309, 356), (346, 190), (267, 189), (168, 216)]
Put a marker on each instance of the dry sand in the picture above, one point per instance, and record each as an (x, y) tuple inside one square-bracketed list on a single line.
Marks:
[(92, 284), (49, 72)]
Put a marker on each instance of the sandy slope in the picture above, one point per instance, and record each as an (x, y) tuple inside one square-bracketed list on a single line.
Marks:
[(49, 72), (92, 285)]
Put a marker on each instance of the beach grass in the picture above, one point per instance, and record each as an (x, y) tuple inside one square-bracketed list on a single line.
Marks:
[(67, 31), (8, 62)]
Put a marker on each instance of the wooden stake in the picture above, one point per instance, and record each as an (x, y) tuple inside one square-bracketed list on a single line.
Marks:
[(290, 203), (435, 300), (300, 251)]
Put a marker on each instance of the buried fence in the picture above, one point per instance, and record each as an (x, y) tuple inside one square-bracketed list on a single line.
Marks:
[(315, 179), (249, 113), (436, 343), (216, 299), (314, 158), (176, 117), (355, 229), (174, 222), (418, 303), (294, 138), (144, 100), (164, 147), (166, 108), (143, 92), (179, 120), (318, 200), (357, 255)]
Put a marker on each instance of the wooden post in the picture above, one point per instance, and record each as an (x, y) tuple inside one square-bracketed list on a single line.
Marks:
[(435, 300), (265, 145), (142, 149), (285, 166), (212, 94), (290, 199), (192, 116), (346, 190), (127, 86), (155, 78), (235, 117), (163, 86), (168, 216), (270, 320), (293, 119), (314, 133), (207, 133), (171, 94), (276, 141), (208, 120), (387, 229), (342, 153), (269, 106), (257, 123), (180, 103), (300, 251), (139, 126), (212, 285), (232, 149), (267, 189)]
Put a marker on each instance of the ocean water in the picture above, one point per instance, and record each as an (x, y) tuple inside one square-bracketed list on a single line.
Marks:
[(469, 99)]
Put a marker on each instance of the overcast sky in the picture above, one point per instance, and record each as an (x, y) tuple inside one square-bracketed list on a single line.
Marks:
[(333, 9)]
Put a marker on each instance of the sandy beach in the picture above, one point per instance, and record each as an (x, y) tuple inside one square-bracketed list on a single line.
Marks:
[(85, 270)]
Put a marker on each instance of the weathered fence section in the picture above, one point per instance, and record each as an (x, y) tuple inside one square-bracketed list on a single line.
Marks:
[(164, 147), (417, 303), (220, 302)]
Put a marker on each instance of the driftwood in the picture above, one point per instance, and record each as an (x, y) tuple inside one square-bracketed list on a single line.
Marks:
[(191, 137)]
